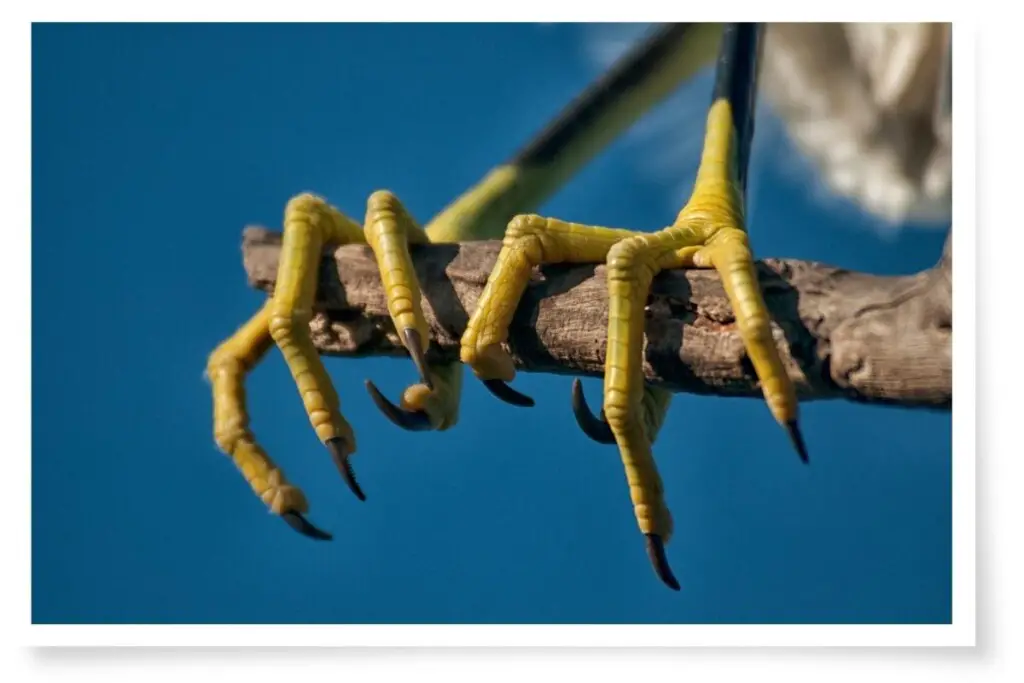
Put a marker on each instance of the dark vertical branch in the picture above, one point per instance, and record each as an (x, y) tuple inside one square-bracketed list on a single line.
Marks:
[(736, 78)]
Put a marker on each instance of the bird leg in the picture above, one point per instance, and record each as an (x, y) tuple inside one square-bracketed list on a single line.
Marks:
[(709, 232)]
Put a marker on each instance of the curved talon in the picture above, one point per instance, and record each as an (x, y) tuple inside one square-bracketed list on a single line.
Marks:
[(656, 551), (414, 421), (507, 393), (594, 427), (296, 521), (414, 344), (798, 441), (340, 457)]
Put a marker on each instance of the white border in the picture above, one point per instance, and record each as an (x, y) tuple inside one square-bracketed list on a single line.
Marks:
[(533, 636), (14, 42)]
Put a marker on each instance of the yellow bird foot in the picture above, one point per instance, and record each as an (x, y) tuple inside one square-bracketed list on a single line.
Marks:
[(310, 224), (532, 241), (709, 232)]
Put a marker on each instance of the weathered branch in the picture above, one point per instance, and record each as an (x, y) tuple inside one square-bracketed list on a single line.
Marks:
[(843, 334)]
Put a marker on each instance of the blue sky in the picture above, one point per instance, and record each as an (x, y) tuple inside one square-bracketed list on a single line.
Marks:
[(153, 146)]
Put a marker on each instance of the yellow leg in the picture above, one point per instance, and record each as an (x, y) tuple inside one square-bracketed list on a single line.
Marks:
[(716, 211)]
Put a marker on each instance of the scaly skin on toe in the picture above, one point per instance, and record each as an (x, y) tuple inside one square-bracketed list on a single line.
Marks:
[(531, 241), (656, 403), (310, 223), (226, 371), (709, 232), (390, 230), (640, 80)]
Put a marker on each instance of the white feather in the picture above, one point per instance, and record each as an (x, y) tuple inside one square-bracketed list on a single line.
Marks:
[(857, 100)]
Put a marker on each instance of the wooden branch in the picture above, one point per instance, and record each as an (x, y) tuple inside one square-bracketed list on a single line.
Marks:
[(842, 334)]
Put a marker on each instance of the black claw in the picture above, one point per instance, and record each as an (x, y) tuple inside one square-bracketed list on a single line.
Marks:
[(507, 393), (594, 427), (415, 346), (414, 421), (339, 454), (798, 441), (656, 552), (304, 526)]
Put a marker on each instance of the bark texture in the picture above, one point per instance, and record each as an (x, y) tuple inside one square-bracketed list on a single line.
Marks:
[(842, 334)]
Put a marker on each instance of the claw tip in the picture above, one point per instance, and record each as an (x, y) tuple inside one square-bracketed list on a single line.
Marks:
[(595, 428), (298, 522), (339, 454), (413, 421), (414, 343), (798, 441), (656, 553), (508, 394)]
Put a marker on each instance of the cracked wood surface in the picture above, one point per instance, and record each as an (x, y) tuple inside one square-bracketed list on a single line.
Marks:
[(842, 334)]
